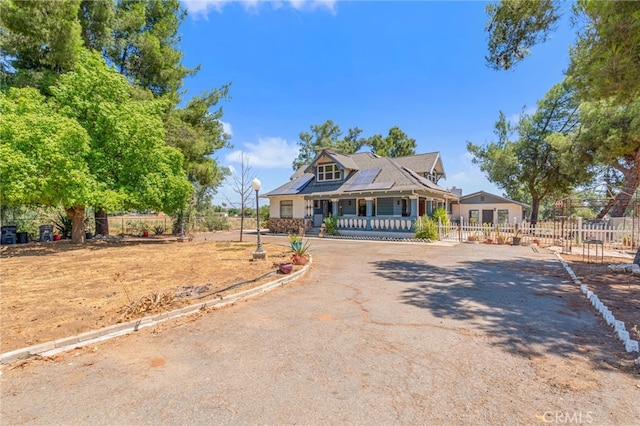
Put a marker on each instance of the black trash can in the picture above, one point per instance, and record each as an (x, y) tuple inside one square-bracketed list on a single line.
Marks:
[(22, 237), (46, 233), (8, 234)]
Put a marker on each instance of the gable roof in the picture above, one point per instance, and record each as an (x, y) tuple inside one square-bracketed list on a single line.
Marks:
[(422, 163), (342, 160), (495, 199), (369, 173)]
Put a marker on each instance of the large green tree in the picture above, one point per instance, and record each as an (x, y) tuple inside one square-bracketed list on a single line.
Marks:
[(395, 144), (605, 62), (120, 157), (540, 160), (40, 40)]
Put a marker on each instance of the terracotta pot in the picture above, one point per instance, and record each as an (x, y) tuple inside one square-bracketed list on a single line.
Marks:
[(145, 234), (57, 237), (298, 260)]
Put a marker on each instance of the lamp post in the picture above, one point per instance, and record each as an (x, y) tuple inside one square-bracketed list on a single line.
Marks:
[(259, 254)]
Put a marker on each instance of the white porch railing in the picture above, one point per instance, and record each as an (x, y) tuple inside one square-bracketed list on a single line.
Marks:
[(375, 224)]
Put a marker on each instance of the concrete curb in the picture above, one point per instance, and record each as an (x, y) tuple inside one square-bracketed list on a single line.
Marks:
[(109, 332), (618, 326)]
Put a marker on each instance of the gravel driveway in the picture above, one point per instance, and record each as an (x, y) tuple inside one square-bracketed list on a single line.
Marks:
[(376, 333)]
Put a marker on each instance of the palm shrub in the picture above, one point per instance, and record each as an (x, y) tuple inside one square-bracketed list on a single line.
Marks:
[(441, 214), (426, 228)]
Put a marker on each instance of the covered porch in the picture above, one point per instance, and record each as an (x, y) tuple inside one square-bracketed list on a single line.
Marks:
[(362, 214)]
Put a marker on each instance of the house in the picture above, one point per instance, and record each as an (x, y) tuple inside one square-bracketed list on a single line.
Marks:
[(483, 207), (369, 194)]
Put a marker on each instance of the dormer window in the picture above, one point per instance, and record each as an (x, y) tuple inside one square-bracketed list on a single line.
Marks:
[(328, 172), (433, 176)]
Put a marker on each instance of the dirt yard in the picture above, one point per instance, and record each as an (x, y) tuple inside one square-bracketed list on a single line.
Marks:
[(619, 291), (56, 290)]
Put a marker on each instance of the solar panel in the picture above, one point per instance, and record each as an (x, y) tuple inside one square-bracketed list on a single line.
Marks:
[(369, 186), (300, 182), (365, 176)]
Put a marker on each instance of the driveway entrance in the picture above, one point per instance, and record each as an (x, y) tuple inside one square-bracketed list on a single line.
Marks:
[(377, 333)]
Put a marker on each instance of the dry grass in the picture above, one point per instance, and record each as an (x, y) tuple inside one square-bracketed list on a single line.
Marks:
[(55, 290)]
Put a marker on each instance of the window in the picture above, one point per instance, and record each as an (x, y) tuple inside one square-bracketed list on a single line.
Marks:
[(503, 216), (286, 209), (362, 207), (326, 172), (432, 176), (474, 217)]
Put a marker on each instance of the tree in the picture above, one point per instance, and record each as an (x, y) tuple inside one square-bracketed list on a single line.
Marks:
[(541, 161), (126, 164), (39, 38), (327, 134), (145, 36), (605, 62), (241, 185), (395, 144), (197, 133), (44, 156), (610, 136)]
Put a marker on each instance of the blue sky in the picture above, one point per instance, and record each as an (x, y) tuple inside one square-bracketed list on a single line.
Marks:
[(418, 65)]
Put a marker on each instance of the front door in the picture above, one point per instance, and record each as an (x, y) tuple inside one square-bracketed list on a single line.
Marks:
[(487, 216), (321, 209)]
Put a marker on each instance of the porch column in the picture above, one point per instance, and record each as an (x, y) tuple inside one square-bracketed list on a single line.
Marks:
[(369, 211), (414, 208), (334, 206)]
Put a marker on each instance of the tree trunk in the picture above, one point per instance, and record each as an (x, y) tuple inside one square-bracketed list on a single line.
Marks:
[(535, 208), (636, 260), (241, 222), (76, 214), (623, 198), (102, 222)]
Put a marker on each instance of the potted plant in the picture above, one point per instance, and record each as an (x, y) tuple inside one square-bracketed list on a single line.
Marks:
[(626, 240), (500, 238), (517, 238), (295, 241), (144, 229), (300, 256)]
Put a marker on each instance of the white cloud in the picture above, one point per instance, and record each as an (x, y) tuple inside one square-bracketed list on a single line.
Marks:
[(202, 7), (269, 152), (226, 127)]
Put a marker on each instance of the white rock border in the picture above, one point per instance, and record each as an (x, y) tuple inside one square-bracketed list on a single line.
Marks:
[(618, 326)]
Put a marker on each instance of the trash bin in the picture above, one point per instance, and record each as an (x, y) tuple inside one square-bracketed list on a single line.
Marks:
[(8, 234), (22, 237), (46, 233)]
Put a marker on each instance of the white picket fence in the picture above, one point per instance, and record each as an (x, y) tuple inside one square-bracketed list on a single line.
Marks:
[(564, 235)]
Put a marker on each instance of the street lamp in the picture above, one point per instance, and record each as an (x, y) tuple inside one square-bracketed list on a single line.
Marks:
[(259, 254)]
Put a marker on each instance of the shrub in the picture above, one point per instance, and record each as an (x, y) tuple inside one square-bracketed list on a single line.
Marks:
[(331, 225), (426, 228), (441, 214)]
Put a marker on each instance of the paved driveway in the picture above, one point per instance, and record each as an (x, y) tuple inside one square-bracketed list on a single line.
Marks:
[(376, 333)]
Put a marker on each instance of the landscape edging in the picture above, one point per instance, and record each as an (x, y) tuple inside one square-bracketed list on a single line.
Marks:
[(93, 336), (619, 326)]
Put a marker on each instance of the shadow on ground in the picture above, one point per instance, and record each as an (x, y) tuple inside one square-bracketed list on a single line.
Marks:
[(528, 307)]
